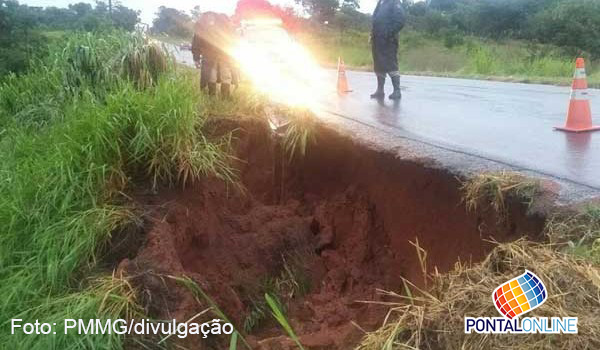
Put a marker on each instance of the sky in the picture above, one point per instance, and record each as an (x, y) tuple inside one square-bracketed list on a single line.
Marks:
[(149, 7)]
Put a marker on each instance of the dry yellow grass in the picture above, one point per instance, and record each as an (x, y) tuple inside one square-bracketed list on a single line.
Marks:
[(495, 189), (435, 319)]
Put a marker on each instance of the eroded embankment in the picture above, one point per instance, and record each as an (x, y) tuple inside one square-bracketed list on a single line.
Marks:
[(320, 233)]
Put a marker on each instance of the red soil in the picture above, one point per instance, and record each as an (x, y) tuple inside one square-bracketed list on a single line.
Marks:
[(345, 212)]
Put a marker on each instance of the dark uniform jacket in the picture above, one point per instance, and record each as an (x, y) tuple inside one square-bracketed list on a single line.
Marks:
[(213, 35), (388, 20)]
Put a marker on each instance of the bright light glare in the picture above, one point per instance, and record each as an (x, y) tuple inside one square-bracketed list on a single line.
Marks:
[(261, 22), (280, 67)]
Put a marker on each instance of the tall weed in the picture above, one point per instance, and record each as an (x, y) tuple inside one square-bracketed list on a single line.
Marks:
[(76, 131)]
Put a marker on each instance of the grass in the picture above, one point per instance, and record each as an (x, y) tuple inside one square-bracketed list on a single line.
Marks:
[(101, 113), (276, 311), (456, 56), (255, 316), (101, 297), (496, 189), (300, 133), (104, 112), (291, 283), (434, 319), (244, 102), (201, 296), (578, 234), (569, 266), (77, 130), (352, 46)]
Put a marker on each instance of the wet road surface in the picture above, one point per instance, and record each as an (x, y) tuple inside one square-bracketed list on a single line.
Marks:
[(504, 122)]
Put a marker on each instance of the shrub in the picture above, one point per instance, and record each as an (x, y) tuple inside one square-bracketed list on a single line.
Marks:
[(571, 23)]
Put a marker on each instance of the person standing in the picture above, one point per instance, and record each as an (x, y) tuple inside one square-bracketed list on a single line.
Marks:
[(388, 20), (212, 38)]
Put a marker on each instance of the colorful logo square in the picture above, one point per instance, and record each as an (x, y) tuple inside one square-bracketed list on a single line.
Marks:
[(519, 295)]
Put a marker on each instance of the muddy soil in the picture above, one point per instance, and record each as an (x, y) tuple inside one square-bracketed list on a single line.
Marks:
[(323, 233)]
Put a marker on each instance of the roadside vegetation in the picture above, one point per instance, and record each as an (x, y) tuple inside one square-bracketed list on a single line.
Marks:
[(434, 318), (86, 117), (97, 114), (525, 40), (578, 234), (461, 56), (566, 260), (498, 189), (27, 31), (87, 111), (528, 41), (532, 41)]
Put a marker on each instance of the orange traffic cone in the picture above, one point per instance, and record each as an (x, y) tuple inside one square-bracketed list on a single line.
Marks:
[(342, 83), (579, 117)]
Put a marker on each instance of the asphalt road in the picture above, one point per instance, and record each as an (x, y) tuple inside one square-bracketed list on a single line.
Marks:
[(508, 123)]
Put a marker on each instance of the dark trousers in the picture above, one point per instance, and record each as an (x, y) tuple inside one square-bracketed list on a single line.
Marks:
[(214, 71)]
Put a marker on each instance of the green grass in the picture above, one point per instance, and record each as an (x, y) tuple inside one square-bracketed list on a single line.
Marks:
[(202, 297), (352, 46), (455, 56), (300, 133), (102, 112), (278, 314), (290, 283), (578, 233)]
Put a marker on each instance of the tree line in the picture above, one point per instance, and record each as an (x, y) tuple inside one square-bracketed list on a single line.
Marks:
[(79, 16), (25, 31), (333, 13), (571, 24)]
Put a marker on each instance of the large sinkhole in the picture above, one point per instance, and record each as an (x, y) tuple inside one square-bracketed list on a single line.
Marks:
[(323, 233)]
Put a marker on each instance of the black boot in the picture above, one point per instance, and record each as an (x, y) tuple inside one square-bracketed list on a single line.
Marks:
[(212, 89), (225, 90), (396, 95), (380, 93)]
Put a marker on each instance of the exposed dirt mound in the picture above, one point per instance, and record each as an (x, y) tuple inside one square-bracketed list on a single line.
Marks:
[(323, 232)]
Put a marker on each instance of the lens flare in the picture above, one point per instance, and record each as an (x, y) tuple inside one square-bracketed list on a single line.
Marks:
[(278, 66)]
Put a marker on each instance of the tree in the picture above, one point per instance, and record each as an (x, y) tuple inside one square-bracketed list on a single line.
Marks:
[(125, 18), (416, 9), (82, 16), (321, 10), (100, 17), (81, 9), (23, 29), (172, 22), (349, 18), (60, 18), (18, 41), (571, 23), (442, 5), (350, 4), (196, 12)]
